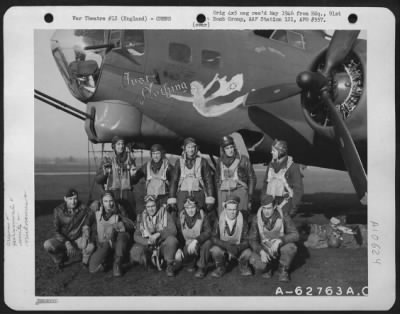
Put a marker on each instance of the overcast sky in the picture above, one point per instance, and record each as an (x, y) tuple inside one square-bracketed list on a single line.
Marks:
[(57, 134)]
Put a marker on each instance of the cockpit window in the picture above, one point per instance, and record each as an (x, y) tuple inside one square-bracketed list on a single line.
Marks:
[(264, 32), (115, 38), (180, 52), (296, 39), (134, 42), (210, 58), (280, 35), (290, 37)]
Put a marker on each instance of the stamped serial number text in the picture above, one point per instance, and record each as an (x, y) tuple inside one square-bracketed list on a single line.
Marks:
[(322, 291)]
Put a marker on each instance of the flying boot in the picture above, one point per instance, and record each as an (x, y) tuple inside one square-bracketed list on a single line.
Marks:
[(283, 273), (117, 267)]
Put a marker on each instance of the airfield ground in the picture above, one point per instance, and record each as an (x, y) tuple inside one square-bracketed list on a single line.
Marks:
[(327, 193)]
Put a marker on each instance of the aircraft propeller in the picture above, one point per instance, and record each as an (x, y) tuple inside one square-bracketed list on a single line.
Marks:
[(317, 85)]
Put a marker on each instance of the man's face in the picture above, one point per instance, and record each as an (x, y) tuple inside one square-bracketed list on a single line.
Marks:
[(274, 153), (268, 210), (108, 203), (151, 208), (156, 156), (229, 150), (190, 149), (190, 209), (71, 201), (231, 210), (119, 147)]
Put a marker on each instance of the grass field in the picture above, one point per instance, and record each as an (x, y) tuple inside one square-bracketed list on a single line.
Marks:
[(327, 193)]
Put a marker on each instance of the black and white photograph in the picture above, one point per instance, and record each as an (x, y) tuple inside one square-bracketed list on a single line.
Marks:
[(200, 163), (251, 121)]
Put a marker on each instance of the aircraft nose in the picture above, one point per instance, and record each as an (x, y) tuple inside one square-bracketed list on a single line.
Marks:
[(80, 68)]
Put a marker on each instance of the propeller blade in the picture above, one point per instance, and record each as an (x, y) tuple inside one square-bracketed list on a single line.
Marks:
[(347, 149), (341, 44), (272, 94)]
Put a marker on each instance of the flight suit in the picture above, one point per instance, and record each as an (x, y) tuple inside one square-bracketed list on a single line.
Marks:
[(69, 228), (119, 180), (192, 177), (264, 231), (283, 180), (199, 230), (113, 237), (235, 176), (157, 178)]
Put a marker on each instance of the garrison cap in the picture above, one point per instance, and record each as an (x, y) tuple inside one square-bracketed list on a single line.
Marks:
[(232, 198), (71, 192), (267, 199)]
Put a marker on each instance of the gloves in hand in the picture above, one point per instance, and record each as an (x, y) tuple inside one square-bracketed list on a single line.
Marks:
[(71, 250), (179, 256), (192, 247)]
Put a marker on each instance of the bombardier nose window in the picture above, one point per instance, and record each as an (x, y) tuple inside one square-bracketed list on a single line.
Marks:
[(80, 67)]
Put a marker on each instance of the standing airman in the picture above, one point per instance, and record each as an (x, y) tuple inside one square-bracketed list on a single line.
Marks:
[(283, 179), (115, 174), (158, 174), (234, 175), (192, 177)]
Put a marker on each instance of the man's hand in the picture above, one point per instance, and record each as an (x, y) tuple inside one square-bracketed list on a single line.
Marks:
[(232, 250), (71, 250), (192, 247), (249, 206), (107, 169), (265, 257), (120, 227), (110, 233), (133, 170), (286, 195), (275, 246), (153, 238), (89, 245), (85, 232), (179, 256)]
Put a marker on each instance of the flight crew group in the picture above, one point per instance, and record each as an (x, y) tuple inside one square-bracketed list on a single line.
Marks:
[(183, 223)]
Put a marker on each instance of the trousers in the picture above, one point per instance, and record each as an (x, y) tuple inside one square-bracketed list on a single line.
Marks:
[(58, 251), (104, 250), (218, 254), (168, 249), (286, 255), (201, 259)]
